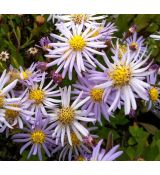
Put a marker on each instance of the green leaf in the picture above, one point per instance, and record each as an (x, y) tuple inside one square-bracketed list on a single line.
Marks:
[(150, 128)]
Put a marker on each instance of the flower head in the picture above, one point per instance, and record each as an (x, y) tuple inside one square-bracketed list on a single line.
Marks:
[(38, 137), (96, 102), (125, 78), (74, 48), (78, 19), (4, 56), (68, 118), (40, 97)]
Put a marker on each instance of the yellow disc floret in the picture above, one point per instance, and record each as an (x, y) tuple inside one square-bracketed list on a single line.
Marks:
[(121, 51), (75, 140), (153, 92), (121, 75), (37, 95), (133, 46), (26, 74), (77, 43), (1, 101), (38, 137), (66, 115), (10, 113), (96, 94), (78, 18)]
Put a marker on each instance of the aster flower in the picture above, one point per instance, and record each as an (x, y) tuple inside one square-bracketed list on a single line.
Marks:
[(105, 29), (74, 47), (16, 118), (5, 101), (71, 152), (30, 76), (4, 56), (134, 43), (96, 102), (153, 90), (99, 154), (78, 19), (40, 97), (38, 137), (126, 78), (68, 118)]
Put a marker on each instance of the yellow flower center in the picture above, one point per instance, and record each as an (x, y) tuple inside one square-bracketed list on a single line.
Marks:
[(133, 46), (66, 115), (37, 95), (122, 50), (153, 92), (121, 76), (1, 101), (38, 137), (80, 158), (26, 74), (12, 114), (77, 43), (96, 94), (75, 140), (14, 74), (78, 18)]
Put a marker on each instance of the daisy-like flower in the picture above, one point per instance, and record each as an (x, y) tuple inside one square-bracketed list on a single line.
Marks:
[(78, 19), (96, 103), (5, 101), (4, 56), (68, 118), (100, 154), (153, 91), (71, 152), (78, 148), (40, 97), (30, 76), (16, 118), (74, 47), (126, 78), (38, 137), (106, 30), (134, 43)]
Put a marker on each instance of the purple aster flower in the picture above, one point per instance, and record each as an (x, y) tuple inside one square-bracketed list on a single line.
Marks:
[(106, 30), (73, 48), (30, 76), (42, 97), (15, 118), (153, 90), (99, 154), (69, 118), (134, 43), (38, 137), (125, 77), (96, 102)]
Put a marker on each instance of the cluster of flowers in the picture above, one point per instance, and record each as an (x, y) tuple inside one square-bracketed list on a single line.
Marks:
[(57, 119)]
